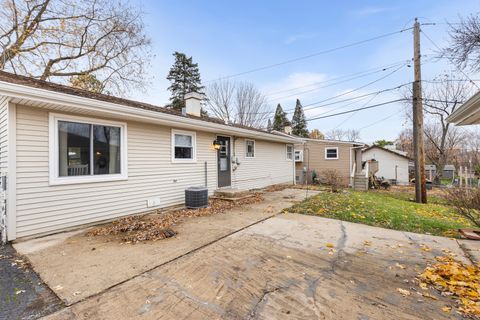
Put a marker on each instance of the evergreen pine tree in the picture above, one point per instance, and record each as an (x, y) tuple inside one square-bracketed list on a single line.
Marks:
[(184, 77), (299, 123), (280, 119)]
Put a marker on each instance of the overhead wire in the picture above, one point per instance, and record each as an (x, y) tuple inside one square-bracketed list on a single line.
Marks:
[(310, 55), (354, 110)]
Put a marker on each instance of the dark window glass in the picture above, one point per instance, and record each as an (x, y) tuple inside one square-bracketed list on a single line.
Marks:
[(106, 149), (183, 146), (74, 148), (250, 148), (331, 153)]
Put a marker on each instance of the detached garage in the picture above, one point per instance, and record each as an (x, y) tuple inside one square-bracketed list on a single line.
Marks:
[(392, 164)]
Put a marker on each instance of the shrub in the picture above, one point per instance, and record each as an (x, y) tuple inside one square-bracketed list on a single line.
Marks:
[(466, 202), (332, 178), (315, 177)]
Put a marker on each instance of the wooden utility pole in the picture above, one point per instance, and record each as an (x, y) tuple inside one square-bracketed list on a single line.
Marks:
[(418, 147)]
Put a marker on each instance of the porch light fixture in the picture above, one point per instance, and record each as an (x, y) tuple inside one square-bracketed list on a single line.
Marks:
[(216, 144)]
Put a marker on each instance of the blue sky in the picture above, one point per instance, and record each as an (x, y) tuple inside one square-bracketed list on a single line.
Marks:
[(227, 37)]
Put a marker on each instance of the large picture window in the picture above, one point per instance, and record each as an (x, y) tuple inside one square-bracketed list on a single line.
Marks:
[(86, 151), (183, 146)]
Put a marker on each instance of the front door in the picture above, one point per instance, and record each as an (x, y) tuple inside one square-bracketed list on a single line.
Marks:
[(223, 160)]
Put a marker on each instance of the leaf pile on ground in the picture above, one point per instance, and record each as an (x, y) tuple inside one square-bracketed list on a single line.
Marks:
[(137, 228), (454, 278), (140, 228), (278, 187), (382, 210)]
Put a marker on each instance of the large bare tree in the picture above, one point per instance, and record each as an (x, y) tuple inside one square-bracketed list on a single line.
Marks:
[(441, 97), (238, 102), (341, 134), (61, 40), (464, 47)]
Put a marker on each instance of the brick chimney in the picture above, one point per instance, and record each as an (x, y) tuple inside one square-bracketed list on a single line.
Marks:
[(193, 104), (287, 129)]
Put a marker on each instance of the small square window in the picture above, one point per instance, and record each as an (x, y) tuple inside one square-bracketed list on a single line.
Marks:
[(183, 145), (250, 148), (289, 152), (331, 153)]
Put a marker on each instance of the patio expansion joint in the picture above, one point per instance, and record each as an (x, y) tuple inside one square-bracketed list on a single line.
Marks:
[(171, 260), (466, 252)]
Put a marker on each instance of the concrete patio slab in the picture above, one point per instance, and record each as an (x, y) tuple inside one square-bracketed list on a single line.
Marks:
[(76, 266), (289, 266)]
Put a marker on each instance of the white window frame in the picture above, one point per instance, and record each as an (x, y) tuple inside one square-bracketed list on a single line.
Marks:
[(193, 134), (300, 155), (292, 152), (331, 148), (254, 149), (54, 175)]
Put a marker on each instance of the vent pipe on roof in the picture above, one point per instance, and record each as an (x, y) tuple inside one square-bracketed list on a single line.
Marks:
[(193, 104)]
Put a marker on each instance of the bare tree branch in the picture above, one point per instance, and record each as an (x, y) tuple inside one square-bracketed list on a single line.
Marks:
[(58, 39)]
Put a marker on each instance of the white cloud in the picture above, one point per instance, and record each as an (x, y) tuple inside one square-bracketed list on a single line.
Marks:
[(296, 37), (368, 11)]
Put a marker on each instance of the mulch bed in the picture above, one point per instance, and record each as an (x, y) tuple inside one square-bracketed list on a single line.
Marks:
[(134, 229)]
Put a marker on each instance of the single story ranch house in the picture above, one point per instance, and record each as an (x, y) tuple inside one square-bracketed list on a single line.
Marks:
[(69, 157)]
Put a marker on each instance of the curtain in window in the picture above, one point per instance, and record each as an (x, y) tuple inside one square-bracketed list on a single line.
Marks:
[(183, 146)]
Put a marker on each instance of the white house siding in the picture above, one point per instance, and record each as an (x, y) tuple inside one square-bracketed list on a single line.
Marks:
[(3, 134), (269, 166), (3, 164), (387, 161), (42, 208)]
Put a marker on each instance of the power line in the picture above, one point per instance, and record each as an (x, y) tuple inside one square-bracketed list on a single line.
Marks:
[(349, 78), (358, 97), (381, 120), (354, 113), (310, 55), (354, 110), (356, 89)]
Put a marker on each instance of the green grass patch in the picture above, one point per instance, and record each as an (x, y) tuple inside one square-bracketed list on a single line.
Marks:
[(383, 209)]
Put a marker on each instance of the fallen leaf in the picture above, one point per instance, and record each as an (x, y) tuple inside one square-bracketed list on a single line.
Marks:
[(446, 309), (403, 292)]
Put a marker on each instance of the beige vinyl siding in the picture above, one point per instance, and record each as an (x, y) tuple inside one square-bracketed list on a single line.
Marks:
[(3, 135), (314, 158), (43, 208), (269, 166)]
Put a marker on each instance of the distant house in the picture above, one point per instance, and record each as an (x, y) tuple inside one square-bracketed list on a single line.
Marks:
[(448, 171), (314, 156), (70, 157), (392, 164)]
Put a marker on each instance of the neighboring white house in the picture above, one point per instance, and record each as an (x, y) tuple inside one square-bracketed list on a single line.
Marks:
[(392, 165), (71, 157)]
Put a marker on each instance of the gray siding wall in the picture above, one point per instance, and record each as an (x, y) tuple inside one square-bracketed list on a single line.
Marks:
[(44, 208)]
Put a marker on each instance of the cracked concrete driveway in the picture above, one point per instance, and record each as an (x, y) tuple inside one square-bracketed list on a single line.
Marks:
[(285, 267)]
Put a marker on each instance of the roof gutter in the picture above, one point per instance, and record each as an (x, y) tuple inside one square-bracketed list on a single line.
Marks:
[(133, 113), (465, 110)]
